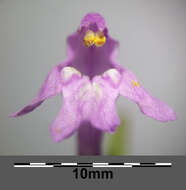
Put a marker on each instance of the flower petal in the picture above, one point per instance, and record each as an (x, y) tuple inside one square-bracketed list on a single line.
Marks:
[(69, 117), (51, 87), (98, 104), (150, 106), (67, 121)]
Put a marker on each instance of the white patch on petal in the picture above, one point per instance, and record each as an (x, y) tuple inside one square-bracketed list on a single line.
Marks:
[(83, 91), (89, 91), (68, 72), (89, 97), (113, 74), (97, 90)]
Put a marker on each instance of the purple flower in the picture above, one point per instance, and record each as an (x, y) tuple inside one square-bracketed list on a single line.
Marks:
[(91, 80)]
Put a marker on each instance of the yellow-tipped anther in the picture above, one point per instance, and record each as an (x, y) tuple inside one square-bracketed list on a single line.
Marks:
[(100, 39), (89, 38)]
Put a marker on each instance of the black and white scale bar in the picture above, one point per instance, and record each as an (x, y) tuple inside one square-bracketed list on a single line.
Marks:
[(153, 165), (94, 165)]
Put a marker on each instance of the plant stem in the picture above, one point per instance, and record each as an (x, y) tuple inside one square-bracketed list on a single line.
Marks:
[(89, 140)]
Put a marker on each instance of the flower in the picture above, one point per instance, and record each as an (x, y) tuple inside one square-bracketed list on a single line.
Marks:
[(90, 80)]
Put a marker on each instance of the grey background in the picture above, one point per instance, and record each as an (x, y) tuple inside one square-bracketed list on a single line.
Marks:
[(152, 45)]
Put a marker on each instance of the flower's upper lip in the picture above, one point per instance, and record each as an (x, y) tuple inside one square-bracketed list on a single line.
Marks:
[(91, 19)]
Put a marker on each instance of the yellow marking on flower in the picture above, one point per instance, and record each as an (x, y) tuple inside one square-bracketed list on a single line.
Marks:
[(135, 83), (98, 39), (57, 130), (89, 38)]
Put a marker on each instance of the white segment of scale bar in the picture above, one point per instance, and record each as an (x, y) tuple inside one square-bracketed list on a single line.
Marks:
[(35, 163), (112, 166), (133, 164), (69, 164), (163, 164), (33, 166), (99, 164)]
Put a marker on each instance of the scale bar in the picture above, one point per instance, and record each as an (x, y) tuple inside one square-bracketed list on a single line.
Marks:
[(69, 164), (33, 166), (163, 164), (112, 166), (94, 164)]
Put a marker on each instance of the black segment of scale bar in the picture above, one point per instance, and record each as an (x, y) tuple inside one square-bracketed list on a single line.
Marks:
[(112, 163), (21, 164), (146, 163), (84, 163), (54, 163), (72, 166), (143, 166), (81, 164)]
